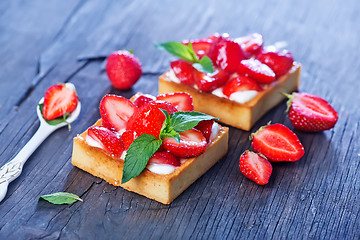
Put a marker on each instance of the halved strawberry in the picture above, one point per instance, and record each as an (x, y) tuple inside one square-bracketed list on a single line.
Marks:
[(164, 158), (184, 71), (201, 46), (310, 113), (115, 111), (277, 143), (256, 70), (128, 137), (280, 61), (143, 99), (208, 82), (59, 100), (180, 100), (192, 144), (251, 44), (255, 167), (205, 127), (109, 140), (240, 83)]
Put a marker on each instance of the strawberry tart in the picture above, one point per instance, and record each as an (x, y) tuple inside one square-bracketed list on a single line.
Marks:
[(237, 80), (154, 146)]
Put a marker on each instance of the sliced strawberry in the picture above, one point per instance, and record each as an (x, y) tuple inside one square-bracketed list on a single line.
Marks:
[(208, 82), (256, 70), (109, 140), (277, 143), (184, 71), (251, 44), (164, 158), (115, 111), (280, 61), (59, 100), (201, 46), (169, 107), (143, 99), (205, 127), (226, 54), (128, 137), (255, 167), (180, 100), (240, 83), (192, 144), (311, 113)]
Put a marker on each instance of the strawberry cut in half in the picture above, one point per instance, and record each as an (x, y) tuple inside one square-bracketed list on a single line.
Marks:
[(192, 144), (180, 100), (256, 70), (143, 99), (280, 61), (184, 71), (164, 158), (109, 140), (200, 46), (251, 44), (205, 127), (277, 143), (310, 113), (115, 111), (59, 100), (208, 82), (239, 84), (128, 137), (255, 167)]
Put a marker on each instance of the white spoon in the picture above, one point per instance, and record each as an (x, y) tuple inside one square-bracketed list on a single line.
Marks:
[(11, 170)]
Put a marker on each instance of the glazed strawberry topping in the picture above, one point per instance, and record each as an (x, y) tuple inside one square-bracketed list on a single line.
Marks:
[(59, 100), (208, 82), (184, 71), (280, 61), (256, 70), (164, 158), (255, 167), (115, 111), (143, 99), (251, 44), (205, 127), (109, 140), (128, 137), (192, 144), (239, 84), (180, 100)]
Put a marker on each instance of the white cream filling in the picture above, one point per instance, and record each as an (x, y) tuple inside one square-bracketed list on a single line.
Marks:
[(219, 92), (161, 168), (214, 130), (172, 76), (243, 96), (91, 142)]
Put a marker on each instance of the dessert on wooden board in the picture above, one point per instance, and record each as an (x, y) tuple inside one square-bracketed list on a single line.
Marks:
[(156, 147), (237, 80)]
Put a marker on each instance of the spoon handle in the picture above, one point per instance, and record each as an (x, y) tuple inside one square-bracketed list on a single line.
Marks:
[(11, 170)]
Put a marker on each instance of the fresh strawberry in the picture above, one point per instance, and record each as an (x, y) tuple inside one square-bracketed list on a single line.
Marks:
[(277, 143), (255, 167), (184, 71), (311, 113), (251, 44), (128, 137), (143, 99), (166, 106), (201, 46), (205, 127), (280, 61), (59, 100), (192, 144), (109, 140), (123, 69), (226, 54), (208, 82), (180, 100), (115, 111), (256, 70), (164, 158), (240, 83)]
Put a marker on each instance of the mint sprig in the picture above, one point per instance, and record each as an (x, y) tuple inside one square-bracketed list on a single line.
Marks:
[(187, 53), (143, 147), (61, 198)]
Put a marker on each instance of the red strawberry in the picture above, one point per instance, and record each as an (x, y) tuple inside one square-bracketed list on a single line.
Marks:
[(251, 44), (256, 70), (277, 143), (192, 144), (208, 82), (226, 54), (115, 111), (59, 100), (166, 106), (109, 140), (311, 113), (184, 71), (240, 83), (214, 36), (164, 158), (128, 137), (180, 100), (280, 61), (201, 46), (205, 128), (123, 69), (255, 167), (143, 99)]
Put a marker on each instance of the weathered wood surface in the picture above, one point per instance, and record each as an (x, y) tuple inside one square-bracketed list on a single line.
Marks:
[(41, 43)]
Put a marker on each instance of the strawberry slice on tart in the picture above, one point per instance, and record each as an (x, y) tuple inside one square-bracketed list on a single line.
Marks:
[(208, 82), (279, 60), (180, 100), (241, 88), (106, 139), (251, 44), (256, 70), (184, 71)]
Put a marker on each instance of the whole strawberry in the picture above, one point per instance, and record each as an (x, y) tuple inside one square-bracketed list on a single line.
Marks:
[(310, 113), (123, 69)]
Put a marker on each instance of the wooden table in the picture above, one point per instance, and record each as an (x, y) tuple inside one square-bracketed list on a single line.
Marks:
[(47, 42)]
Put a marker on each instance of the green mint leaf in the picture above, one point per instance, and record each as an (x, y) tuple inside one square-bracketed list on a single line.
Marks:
[(61, 198), (193, 54), (55, 121), (172, 134), (138, 155), (177, 49), (183, 121), (205, 65)]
